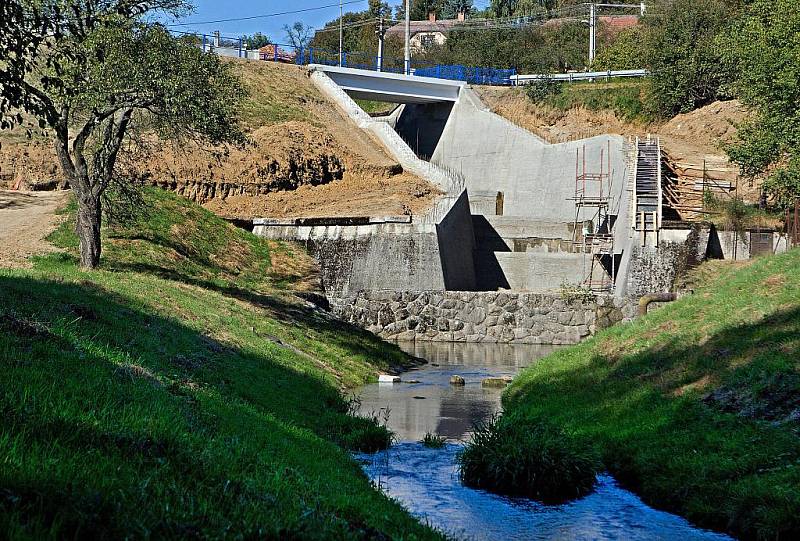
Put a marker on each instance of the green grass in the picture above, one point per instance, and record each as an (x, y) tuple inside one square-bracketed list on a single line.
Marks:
[(183, 390), (372, 106), (528, 457), (433, 441), (691, 405), (625, 99)]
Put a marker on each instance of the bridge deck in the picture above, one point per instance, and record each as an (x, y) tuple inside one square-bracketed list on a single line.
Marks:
[(391, 87)]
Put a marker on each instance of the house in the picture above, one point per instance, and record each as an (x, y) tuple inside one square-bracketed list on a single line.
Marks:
[(424, 34)]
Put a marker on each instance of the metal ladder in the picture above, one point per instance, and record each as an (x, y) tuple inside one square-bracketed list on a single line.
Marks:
[(648, 190)]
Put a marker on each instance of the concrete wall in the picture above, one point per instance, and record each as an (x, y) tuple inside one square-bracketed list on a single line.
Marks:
[(421, 126), (729, 245), (503, 317), (375, 256), (537, 179), (536, 184), (383, 253), (655, 269), (456, 241)]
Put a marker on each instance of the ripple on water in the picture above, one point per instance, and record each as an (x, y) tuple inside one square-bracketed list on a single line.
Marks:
[(426, 482)]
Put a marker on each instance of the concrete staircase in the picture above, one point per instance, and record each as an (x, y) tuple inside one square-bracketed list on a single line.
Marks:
[(514, 252)]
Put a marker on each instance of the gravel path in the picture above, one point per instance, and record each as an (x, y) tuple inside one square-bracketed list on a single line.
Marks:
[(26, 218)]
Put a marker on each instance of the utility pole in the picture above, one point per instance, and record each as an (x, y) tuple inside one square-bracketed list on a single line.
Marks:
[(381, 31), (407, 67), (341, 33), (592, 32)]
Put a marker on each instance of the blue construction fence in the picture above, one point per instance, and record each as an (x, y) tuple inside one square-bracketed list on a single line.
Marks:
[(289, 54)]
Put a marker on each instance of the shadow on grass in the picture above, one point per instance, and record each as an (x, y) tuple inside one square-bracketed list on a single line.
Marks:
[(114, 417), (296, 314), (727, 459)]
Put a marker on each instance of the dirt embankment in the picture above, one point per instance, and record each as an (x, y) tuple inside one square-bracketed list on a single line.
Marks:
[(303, 158)]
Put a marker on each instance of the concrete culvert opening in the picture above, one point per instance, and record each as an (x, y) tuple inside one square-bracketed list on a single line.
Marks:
[(421, 126)]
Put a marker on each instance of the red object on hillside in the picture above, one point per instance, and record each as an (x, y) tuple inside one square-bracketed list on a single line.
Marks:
[(615, 24), (273, 53), (610, 24)]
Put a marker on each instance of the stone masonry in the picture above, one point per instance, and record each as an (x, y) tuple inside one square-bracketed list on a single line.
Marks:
[(496, 317)]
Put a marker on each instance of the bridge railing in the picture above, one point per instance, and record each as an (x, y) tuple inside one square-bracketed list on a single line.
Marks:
[(577, 76), (289, 54)]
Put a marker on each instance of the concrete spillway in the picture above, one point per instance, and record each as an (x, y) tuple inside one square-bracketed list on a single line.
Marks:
[(507, 220), (516, 229)]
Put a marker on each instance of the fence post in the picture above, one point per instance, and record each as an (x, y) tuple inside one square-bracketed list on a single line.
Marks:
[(274, 53), (344, 59), (204, 43), (240, 47)]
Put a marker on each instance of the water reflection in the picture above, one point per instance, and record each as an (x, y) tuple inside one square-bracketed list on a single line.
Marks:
[(426, 480), (431, 404)]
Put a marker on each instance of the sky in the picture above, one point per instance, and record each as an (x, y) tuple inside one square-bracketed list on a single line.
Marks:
[(214, 10)]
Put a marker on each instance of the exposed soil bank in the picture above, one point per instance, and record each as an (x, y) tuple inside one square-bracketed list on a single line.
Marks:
[(303, 158), (681, 402)]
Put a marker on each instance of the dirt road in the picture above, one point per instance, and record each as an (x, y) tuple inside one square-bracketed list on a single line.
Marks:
[(26, 218)]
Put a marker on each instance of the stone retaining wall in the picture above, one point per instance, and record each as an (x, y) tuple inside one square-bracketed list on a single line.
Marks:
[(495, 317)]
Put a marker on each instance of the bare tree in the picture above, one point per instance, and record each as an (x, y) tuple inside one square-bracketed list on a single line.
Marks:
[(298, 34)]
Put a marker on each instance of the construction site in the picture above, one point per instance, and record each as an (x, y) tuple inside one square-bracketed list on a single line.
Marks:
[(452, 188)]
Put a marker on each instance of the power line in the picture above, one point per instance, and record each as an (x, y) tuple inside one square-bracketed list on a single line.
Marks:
[(267, 15)]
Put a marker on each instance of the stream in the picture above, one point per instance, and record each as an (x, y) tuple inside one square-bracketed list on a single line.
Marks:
[(426, 482)]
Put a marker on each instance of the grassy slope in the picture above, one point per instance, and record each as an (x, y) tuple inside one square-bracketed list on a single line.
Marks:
[(623, 98), (636, 391), (182, 391)]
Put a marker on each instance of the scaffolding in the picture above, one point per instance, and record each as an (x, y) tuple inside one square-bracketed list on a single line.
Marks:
[(593, 237)]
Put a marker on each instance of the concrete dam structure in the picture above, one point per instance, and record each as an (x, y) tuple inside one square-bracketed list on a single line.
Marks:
[(519, 222)]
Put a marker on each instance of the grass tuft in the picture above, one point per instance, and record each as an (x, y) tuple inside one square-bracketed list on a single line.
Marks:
[(528, 457), (433, 441)]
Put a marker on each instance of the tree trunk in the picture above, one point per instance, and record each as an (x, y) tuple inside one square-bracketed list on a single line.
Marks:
[(88, 230)]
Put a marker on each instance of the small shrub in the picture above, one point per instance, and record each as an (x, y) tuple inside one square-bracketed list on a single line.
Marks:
[(525, 457), (433, 441), (575, 293), (540, 90), (365, 434)]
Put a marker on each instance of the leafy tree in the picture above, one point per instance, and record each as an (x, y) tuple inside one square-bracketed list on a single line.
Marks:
[(624, 52), (519, 8), (449, 9), (682, 53), (256, 41), (95, 74), (379, 8), (763, 49)]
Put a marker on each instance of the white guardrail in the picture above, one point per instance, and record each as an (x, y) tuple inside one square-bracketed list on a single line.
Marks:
[(577, 76)]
